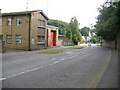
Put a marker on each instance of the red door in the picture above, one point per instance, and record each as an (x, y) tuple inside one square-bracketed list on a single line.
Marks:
[(52, 42)]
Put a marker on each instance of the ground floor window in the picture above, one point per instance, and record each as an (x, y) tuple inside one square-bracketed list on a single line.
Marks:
[(18, 39), (8, 39)]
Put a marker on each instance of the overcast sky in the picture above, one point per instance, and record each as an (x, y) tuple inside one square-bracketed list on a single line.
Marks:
[(84, 10)]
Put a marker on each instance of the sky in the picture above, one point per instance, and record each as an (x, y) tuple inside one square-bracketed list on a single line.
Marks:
[(84, 10)]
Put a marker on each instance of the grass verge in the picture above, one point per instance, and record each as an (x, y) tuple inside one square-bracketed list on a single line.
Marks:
[(76, 47), (51, 52)]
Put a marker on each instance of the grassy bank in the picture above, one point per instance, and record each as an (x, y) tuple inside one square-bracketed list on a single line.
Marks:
[(51, 52), (76, 47)]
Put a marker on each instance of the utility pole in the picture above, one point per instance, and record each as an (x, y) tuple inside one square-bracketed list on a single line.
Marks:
[(27, 6), (29, 22), (47, 7)]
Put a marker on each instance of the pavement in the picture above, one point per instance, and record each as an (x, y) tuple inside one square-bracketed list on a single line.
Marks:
[(90, 67)]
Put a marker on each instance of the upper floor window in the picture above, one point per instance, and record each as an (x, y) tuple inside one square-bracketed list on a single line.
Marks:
[(0, 21), (18, 21), (41, 31), (9, 21), (41, 23)]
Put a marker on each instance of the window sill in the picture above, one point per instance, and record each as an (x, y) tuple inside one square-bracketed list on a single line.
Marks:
[(8, 43), (41, 27), (40, 42)]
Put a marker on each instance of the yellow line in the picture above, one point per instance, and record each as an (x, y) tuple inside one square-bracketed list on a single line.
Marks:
[(96, 80)]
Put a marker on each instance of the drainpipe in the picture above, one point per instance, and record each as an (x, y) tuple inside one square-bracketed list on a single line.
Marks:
[(29, 33), (12, 31)]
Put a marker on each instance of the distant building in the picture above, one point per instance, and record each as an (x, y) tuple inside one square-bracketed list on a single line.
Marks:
[(25, 30), (88, 38)]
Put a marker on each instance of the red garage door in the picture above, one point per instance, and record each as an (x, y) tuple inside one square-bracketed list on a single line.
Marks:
[(53, 38)]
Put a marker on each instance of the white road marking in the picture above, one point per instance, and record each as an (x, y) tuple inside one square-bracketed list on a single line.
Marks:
[(26, 71), (62, 59), (68, 52), (17, 74), (53, 58), (56, 62), (72, 57), (36, 69)]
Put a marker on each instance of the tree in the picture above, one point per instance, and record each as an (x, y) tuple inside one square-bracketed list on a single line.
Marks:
[(69, 34), (74, 27), (71, 30), (60, 24), (85, 31), (94, 39), (107, 24)]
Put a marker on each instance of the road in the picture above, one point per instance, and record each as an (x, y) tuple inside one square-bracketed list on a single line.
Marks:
[(90, 67)]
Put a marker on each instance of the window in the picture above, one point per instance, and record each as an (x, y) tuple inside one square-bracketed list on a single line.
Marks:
[(0, 21), (41, 23), (18, 39), (18, 21), (9, 21), (40, 38), (8, 39), (41, 32)]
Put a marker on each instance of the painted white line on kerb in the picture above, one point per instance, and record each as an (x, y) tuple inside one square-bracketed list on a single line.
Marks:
[(1, 79)]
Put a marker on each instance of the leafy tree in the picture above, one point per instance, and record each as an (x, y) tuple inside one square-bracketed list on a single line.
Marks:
[(74, 27), (60, 24), (71, 30), (79, 36), (94, 39), (107, 24), (69, 34), (85, 31)]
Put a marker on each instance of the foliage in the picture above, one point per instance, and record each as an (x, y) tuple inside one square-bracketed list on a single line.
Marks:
[(74, 27), (107, 24), (60, 24), (71, 30), (94, 39), (51, 52), (76, 47), (69, 34), (85, 31)]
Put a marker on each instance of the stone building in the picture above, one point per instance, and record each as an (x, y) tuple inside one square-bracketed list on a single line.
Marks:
[(25, 30)]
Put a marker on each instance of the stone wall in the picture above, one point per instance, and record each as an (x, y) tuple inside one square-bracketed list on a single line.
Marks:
[(118, 41), (110, 44), (113, 44), (64, 41)]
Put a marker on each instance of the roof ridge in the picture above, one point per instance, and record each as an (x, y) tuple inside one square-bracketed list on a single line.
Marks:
[(22, 11)]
